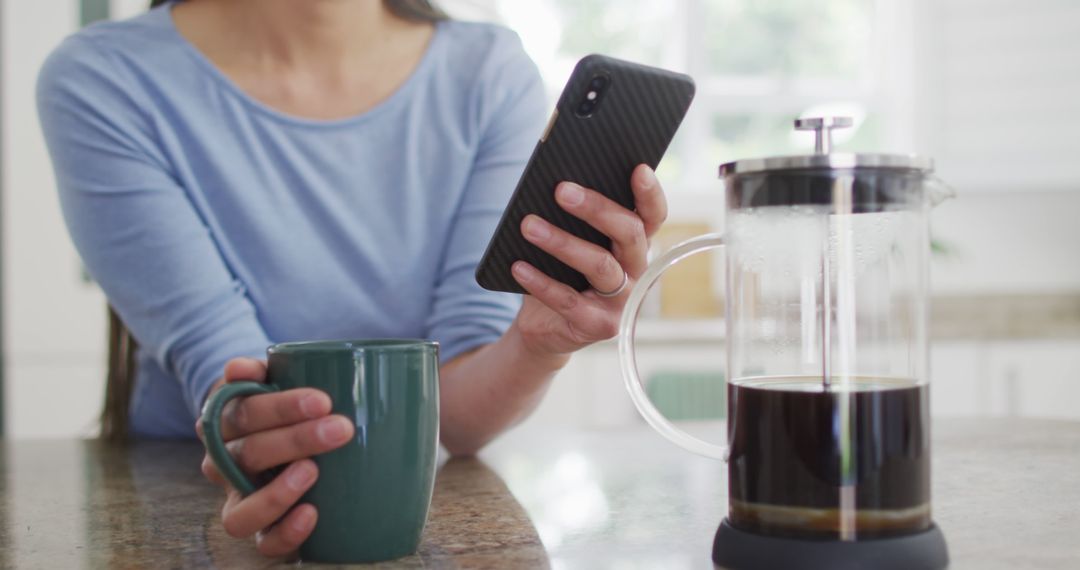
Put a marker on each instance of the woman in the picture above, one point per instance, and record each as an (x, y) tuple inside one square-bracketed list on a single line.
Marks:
[(242, 172)]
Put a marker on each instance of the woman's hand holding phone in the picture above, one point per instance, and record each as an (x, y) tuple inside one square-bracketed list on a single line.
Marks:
[(281, 429), (555, 318)]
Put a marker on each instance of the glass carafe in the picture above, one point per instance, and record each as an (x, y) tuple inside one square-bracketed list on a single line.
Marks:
[(826, 349)]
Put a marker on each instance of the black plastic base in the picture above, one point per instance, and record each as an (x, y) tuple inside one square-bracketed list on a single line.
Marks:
[(739, 550)]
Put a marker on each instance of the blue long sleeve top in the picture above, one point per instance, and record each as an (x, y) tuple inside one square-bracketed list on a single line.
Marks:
[(217, 225)]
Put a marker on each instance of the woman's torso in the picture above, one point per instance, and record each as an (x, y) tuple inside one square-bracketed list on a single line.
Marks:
[(335, 229)]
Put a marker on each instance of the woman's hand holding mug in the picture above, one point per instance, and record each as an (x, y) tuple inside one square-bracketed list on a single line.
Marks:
[(265, 431)]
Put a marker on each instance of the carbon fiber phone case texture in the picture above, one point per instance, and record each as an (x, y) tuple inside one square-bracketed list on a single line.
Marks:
[(633, 123)]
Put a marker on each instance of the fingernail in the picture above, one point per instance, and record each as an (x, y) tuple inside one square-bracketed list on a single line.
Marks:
[(650, 179), (311, 406), (537, 229), (571, 193), (299, 476), (333, 430), (522, 271), (303, 522)]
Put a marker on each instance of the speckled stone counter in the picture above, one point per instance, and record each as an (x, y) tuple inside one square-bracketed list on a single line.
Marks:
[(1006, 493), (75, 504)]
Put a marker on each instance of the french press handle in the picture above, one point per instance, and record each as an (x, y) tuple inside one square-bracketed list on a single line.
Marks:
[(627, 359)]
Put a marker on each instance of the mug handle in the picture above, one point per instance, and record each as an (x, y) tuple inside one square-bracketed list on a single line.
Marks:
[(627, 328), (215, 445)]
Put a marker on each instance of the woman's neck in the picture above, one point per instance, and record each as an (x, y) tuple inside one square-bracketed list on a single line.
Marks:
[(312, 58), (292, 33)]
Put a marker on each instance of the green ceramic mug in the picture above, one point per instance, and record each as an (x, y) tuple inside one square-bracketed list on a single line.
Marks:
[(373, 493)]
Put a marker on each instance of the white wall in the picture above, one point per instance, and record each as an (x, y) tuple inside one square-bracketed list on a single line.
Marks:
[(53, 322), (997, 95), (1009, 242)]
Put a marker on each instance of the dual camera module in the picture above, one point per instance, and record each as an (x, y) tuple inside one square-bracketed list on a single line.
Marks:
[(598, 86)]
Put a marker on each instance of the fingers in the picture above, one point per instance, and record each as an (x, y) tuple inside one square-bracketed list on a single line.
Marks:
[(286, 536), (266, 412), (649, 200), (244, 516), (586, 318), (597, 264), (265, 449), (245, 369), (263, 412), (209, 470), (626, 229)]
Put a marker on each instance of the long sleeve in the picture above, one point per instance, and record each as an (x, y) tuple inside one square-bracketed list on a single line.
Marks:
[(136, 229), (510, 115)]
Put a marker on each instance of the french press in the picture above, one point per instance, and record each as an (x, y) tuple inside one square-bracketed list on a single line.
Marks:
[(828, 443)]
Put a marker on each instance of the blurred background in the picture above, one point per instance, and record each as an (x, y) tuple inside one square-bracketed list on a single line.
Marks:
[(989, 88)]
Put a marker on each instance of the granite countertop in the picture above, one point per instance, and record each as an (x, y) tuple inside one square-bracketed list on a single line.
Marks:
[(974, 316), (1006, 494), (1004, 317)]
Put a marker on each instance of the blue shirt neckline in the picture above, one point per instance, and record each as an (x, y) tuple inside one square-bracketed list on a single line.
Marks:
[(395, 98)]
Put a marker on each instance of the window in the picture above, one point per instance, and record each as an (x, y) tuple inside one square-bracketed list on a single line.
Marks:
[(758, 64)]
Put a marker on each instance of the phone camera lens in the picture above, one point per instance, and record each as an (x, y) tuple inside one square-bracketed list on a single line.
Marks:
[(592, 96)]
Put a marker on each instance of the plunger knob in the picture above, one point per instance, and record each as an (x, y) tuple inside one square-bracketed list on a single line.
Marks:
[(823, 128)]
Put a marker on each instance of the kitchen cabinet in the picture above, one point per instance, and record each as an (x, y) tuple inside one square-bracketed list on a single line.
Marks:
[(955, 377), (1035, 378), (1010, 378)]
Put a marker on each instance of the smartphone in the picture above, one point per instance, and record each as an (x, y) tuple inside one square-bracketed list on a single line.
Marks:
[(612, 116)]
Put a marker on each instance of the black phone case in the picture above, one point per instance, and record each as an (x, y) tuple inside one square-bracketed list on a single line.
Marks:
[(633, 124)]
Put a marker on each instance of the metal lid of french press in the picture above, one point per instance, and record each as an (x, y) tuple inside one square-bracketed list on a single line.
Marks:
[(823, 157)]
